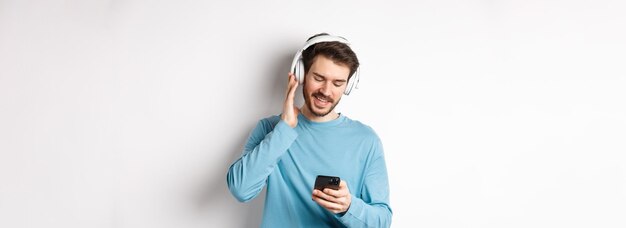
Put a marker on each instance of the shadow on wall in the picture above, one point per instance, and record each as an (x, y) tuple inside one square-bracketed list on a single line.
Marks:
[(276, 88), (213, 197)]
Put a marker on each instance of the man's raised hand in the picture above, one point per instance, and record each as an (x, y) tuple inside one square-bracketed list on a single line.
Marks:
[(290, 112)]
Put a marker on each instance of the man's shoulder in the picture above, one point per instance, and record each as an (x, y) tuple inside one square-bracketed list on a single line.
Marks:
[(269, 122), (362, 128), (271, 119)]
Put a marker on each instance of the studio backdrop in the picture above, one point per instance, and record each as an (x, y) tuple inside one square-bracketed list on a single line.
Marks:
[(127, 114)]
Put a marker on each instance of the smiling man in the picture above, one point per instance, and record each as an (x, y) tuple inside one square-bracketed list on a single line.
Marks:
[(322, 101), (286, 152)]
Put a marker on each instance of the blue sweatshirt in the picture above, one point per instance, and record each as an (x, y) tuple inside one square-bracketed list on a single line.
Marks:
[(287, 160)]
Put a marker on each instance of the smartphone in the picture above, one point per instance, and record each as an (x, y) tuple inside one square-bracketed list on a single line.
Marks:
[(322, 182)]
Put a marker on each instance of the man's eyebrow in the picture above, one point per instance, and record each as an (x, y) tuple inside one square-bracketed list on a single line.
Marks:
[(319, 75)]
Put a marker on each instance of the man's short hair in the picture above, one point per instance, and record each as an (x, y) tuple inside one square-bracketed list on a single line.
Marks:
[(338, 52)]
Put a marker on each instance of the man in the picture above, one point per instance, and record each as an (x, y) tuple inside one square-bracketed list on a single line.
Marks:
[(287, 152)]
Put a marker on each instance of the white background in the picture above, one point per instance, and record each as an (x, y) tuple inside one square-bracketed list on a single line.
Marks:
[(492, 113)]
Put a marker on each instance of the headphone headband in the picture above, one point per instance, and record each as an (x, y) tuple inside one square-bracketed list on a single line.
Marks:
[(297, 66), (325, 38)]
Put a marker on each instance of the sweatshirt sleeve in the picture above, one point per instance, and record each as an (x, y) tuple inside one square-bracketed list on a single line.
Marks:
[(247, 176), (370, 207)]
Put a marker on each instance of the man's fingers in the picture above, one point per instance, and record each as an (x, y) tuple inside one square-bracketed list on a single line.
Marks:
[(337, 198), (341, 192), (333, 192), (323, 195), (334, 207), (333, 204), (290, 112), (291, 87), (288, 85), (293, 84)]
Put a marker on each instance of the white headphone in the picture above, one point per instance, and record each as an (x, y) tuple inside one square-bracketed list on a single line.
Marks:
[(297, 66)]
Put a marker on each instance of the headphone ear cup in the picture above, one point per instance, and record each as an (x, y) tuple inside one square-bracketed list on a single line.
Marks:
[(300, 71), (349, 85), (353, 82)]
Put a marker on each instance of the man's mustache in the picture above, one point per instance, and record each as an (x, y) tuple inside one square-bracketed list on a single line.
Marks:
[(321, 96)]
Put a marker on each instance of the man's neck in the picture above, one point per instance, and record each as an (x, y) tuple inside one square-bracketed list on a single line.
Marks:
[(312, 117)]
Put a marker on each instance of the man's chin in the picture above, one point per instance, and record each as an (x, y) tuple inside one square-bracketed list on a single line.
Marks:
[(321, 112)]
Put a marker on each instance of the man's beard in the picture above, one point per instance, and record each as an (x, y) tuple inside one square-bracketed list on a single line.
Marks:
[(309, 103)]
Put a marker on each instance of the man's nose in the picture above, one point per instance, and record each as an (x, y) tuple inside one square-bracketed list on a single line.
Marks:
[(325, 89)]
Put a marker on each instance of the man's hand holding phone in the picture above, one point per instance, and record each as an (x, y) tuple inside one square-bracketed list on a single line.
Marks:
[(336, 201)]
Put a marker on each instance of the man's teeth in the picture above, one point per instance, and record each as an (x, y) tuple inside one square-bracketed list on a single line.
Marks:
[(320, 99)]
